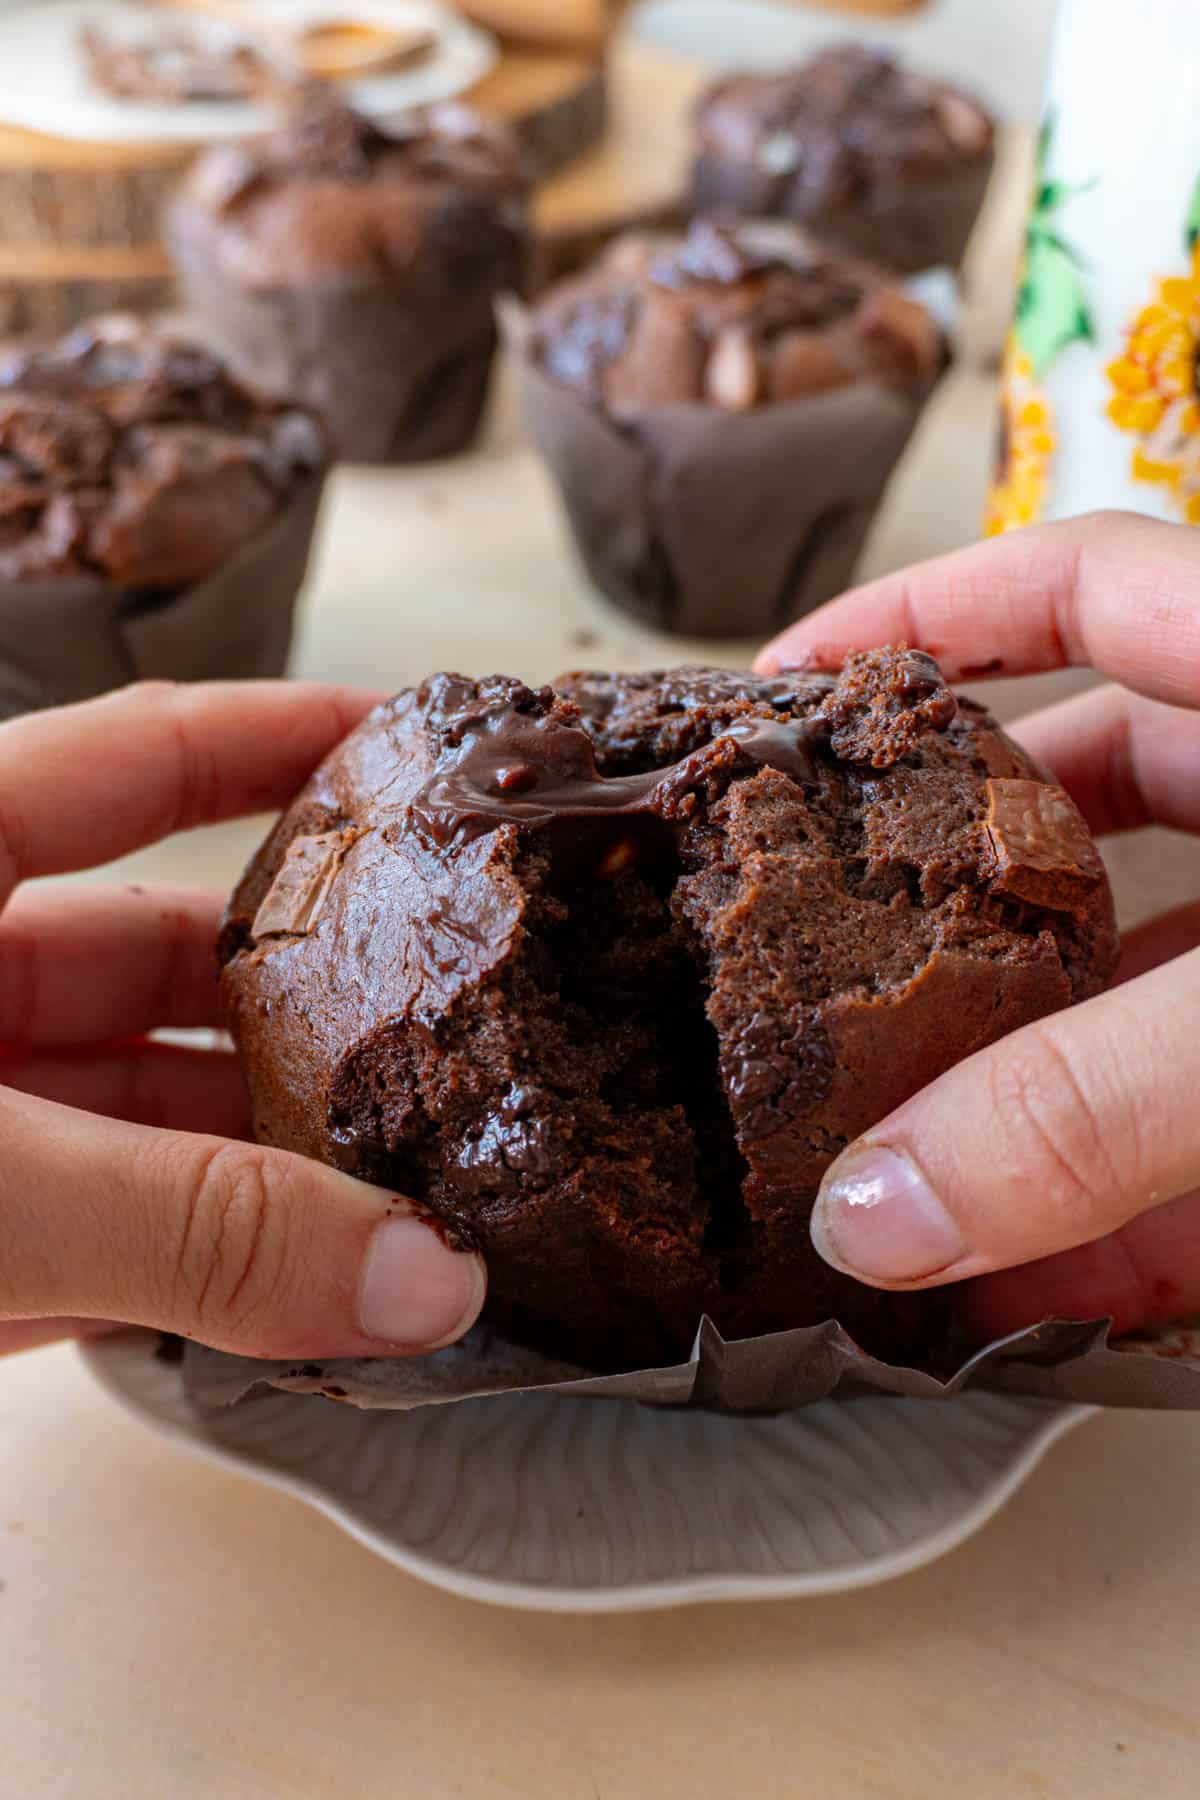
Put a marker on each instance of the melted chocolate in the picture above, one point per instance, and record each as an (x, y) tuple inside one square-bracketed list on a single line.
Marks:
[(511, 769), (513, 1141), (509, 757)]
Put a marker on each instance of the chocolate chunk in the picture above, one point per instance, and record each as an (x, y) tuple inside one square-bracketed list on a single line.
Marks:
[(732, 377), (776, 1073), (623, 855), (295, 899), (662, 359), (587, 337), (516, 780), (1041, 849), (712, 251), (516, 1140), (899, 332), (965, 124)]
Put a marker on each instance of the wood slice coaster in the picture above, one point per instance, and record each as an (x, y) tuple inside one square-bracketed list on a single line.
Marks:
[(80, 223), (79, 229), (555, 102), (563, 24), (58, 191), (871, 8), (45, 291), (637, 177)]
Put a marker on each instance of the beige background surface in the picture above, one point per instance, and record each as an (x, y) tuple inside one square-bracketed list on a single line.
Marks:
[(168, 1630)]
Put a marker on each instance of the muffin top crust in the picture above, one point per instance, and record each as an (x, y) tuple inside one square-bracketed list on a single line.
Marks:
[(851, 118), (439, 196), (136, 457), (734, 316)]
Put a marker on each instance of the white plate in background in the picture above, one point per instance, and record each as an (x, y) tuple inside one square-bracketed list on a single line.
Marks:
[(44, 83)]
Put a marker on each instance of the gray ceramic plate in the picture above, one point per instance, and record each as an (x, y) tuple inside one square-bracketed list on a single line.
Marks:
[(567, 1505)]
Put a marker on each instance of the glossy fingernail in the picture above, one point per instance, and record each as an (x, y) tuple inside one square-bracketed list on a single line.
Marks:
[(877, 1217), (416, 1293)]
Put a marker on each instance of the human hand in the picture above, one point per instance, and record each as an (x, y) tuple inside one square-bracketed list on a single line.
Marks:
[(1057, 1172), (127, 1190)]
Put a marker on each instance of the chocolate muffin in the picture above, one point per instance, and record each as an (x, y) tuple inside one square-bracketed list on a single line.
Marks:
[(155, 516), (606, 974), (871, 155), (358, 267), (723, 413)]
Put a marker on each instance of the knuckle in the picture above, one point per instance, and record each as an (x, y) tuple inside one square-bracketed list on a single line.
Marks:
[(170, 700), (230, 1254), (153, 692), (1112, 518), (169, 704), (1053, 1135)]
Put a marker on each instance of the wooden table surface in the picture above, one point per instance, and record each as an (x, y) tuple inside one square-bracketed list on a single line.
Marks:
[(169, 1630)]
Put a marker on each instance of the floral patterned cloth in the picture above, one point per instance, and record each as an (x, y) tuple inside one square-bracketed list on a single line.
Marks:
[(1100, 395)]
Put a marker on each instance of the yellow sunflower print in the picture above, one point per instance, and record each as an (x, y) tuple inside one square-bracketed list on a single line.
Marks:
[(1155, 395), (1025, 448), (1051, 314)]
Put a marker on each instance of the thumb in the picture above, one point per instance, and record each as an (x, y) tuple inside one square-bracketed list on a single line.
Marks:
[(244, 1248), (1053, 1137)]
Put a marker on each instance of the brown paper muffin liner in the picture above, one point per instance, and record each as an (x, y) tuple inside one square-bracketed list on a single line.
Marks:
[(395, 380), (1057, 1360), (715, 524), (74, 637), (910, 225)]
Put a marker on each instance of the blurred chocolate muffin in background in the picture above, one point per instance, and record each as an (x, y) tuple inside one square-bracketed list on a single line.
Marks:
[(722, 413), (869, 154), (155, 515), (357, 268)]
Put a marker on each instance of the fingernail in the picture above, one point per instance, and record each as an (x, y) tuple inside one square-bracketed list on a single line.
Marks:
[(877, 1217), (416, 1293)]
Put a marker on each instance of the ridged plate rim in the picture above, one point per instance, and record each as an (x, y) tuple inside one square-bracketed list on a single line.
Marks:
[(126, 1368)]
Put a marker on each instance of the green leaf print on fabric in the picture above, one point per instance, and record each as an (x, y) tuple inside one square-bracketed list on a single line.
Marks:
[(1052, 309), (1192, 231)]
